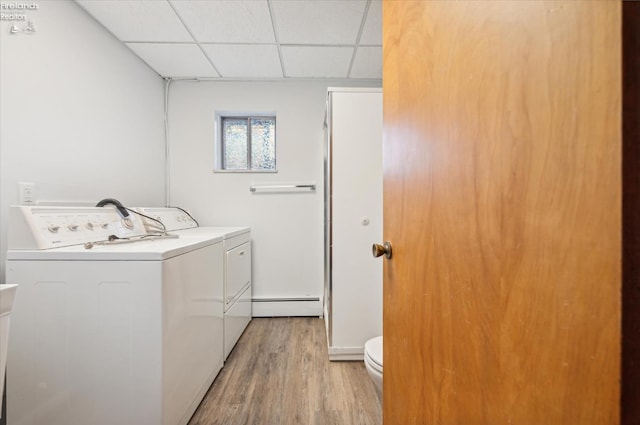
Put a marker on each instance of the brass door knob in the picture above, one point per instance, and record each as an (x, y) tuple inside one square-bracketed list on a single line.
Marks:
[(379, 250)]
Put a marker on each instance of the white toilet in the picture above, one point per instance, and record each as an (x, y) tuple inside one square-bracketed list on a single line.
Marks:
[(373, 361)]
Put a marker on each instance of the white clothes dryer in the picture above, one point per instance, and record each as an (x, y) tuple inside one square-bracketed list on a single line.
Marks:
[(237, 264), (127, 331)]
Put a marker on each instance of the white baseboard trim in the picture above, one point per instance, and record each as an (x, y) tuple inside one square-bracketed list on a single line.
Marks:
[(278, 307), (346, 354)]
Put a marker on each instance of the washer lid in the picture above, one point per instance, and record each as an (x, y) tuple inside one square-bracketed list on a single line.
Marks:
[(141, 250), (373, 349)]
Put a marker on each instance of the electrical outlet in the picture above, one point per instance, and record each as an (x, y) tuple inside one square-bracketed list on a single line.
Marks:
[(27, 193)]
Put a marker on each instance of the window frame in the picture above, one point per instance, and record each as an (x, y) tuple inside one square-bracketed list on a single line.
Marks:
[(220, 144)]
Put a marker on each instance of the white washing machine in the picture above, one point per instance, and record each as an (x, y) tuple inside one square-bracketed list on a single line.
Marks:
[(127, 332), (237, 265)]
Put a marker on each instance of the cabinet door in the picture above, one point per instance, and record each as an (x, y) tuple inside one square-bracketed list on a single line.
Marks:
[(356, 203), (238, 266)]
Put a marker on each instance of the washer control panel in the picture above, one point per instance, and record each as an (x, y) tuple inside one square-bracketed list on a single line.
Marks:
[(52, 227), (171, 218)]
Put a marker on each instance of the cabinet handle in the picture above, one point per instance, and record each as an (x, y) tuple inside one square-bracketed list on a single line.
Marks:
[(241, 253)]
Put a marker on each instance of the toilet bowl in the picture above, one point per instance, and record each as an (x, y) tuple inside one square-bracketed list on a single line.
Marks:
[(373, 361)]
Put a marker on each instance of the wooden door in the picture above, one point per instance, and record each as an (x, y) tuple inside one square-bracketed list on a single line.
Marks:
[(502, 199)]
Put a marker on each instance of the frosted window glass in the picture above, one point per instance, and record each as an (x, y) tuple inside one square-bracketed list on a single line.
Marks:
[(235, 144), (263, 144), (248, 143)]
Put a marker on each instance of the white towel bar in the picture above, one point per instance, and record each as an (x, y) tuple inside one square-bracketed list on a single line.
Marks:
[(283, 188)]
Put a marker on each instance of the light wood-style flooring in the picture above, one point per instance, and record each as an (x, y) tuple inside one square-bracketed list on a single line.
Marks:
[(279, 374)]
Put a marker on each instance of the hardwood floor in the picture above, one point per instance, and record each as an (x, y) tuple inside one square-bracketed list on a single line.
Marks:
[(279, 374)]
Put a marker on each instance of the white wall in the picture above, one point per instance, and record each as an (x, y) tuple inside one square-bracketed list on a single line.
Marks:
[(80, 115), (287, 229)]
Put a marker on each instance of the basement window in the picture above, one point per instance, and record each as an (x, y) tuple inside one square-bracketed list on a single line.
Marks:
[(246, 143)]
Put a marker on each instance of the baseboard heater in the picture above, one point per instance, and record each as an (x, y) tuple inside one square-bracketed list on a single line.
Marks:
[(286, 306)]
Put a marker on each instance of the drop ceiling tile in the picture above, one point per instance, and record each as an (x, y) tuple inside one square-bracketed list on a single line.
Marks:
[(372, 32), (367, 63), (138, 20), (174, 60), (227, 21), (316, 61), (318, 22), (245, 60)]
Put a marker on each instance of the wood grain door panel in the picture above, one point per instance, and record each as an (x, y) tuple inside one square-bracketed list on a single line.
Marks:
[(502, 200)]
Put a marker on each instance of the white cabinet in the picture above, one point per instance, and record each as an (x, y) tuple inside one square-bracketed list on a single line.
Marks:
[(353, 220), (237, 288), (238, 264)]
